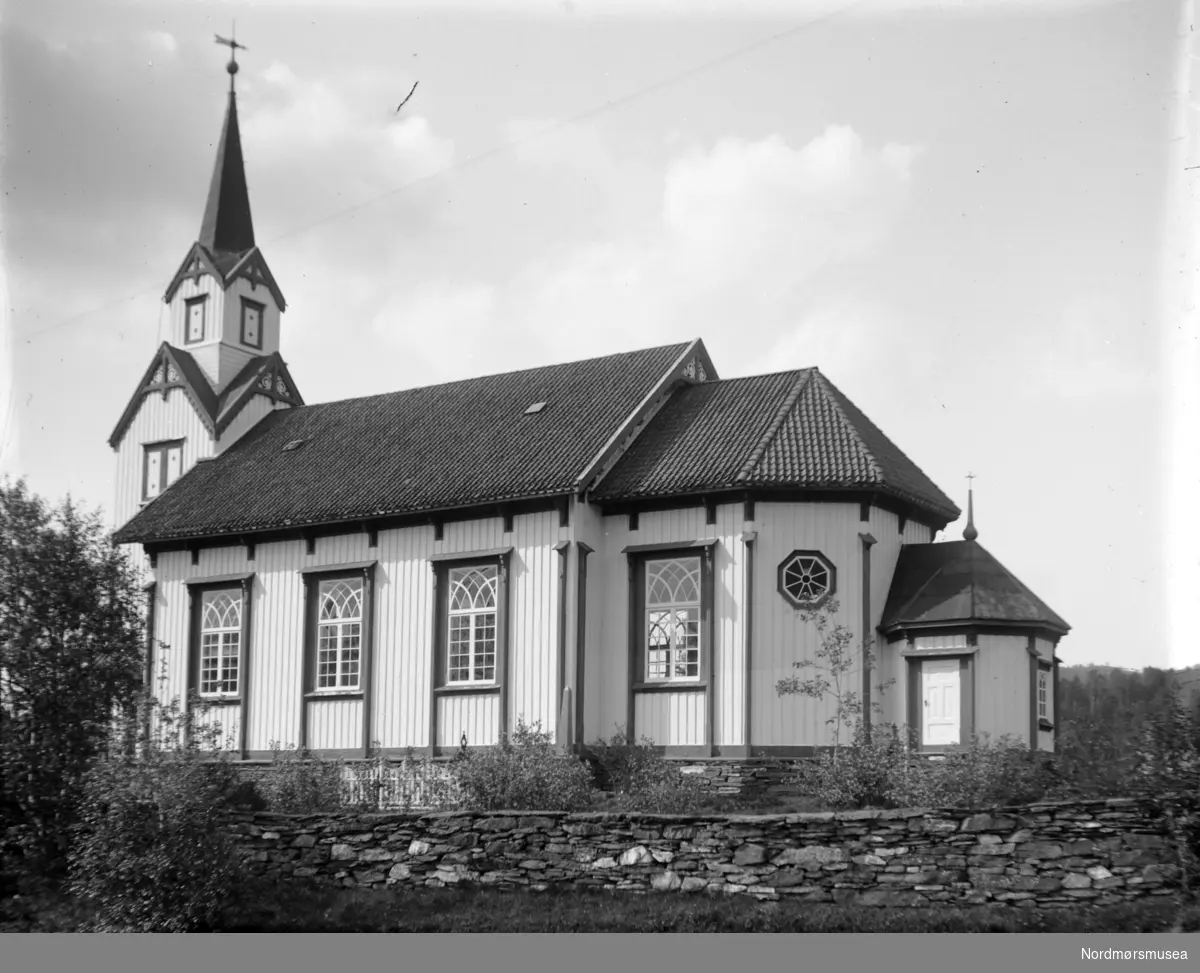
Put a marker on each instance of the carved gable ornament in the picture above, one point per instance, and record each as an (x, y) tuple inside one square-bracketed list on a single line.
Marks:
[(694, 370)]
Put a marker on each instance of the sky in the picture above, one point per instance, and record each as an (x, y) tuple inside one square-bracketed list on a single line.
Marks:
[(960, 212)]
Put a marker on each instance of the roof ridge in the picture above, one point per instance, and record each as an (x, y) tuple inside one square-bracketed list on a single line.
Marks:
[(776, 424), (682, 345), (827, 387), (917, 594)]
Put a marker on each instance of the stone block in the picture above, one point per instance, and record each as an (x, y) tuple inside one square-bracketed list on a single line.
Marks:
[(750, 854)]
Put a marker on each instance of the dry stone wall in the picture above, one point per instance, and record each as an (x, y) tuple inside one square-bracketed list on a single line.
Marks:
[(1044, 855)]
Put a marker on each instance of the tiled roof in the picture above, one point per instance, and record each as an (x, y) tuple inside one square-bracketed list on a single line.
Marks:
[(173, 367), (423, 449), (786, 430), (959, 581)]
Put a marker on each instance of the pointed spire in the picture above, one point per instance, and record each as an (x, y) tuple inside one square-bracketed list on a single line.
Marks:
[(227, 226), (969, 532)]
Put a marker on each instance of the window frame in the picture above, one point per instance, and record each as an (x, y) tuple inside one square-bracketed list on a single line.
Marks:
[(637, 557), (313, 579), (441, 565), (1039, 720), (163, 450), (244, 585), (341, 651), (222, 633), (644, 676), (261, 308), (794, 602), (492, 572), (188, 304)]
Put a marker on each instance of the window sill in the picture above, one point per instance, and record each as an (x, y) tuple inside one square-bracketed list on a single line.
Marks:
[(220, 700), (669, 686), (334, 694), (467, 689), (1045, 724)]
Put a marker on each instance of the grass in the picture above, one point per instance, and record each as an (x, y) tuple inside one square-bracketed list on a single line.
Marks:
[(491, 910)]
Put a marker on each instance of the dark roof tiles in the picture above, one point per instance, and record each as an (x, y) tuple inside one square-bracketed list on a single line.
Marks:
[(431, 448), (959, 581), (786, 430)]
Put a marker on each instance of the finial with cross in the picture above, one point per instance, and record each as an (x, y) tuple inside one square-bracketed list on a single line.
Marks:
[(970, 477), (234, 47)]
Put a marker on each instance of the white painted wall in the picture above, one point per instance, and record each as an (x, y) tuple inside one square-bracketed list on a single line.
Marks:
[(403, 625), (157, 420)]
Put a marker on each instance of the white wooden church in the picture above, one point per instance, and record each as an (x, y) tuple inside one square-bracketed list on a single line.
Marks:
[(625, 541)]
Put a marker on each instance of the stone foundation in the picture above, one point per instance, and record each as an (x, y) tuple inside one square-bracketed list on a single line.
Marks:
[(1049, 855)]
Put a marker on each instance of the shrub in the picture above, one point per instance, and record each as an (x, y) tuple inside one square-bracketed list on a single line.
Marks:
[(883, 772), (862, 774), (641, 780), (152, 850), (299, 782), (983, 773), (524, 772)]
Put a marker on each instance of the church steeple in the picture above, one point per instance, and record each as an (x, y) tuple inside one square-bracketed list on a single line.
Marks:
[(225, 303), (227, 227)]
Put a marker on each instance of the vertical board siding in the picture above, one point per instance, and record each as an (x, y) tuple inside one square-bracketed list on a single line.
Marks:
[(670, 719), (475, 715), (609, 623), (334, 724), (589, 527), (157, 420), (246, 419), (781, 637), (213, 314), (1002, 686), (403, 606), (884, 526), (224, 720), (232, 324)]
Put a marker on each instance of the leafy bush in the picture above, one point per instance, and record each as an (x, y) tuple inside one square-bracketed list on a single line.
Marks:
[(299, 782), (152, 850), (524, 772), (641, 780), (883, 772), (984, 773)]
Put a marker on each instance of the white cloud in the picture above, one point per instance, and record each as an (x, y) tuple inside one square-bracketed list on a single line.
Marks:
[(743, 231), (297, 128), (160, 42)]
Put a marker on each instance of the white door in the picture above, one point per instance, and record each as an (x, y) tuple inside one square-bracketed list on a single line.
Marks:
[(940, 693)]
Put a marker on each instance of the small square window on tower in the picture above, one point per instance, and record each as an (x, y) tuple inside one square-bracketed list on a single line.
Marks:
[(195, 320), (252, 315)]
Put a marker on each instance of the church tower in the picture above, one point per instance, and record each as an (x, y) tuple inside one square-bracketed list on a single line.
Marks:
[(219, 370)]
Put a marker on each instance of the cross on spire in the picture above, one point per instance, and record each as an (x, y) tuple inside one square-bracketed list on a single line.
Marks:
[(969, 532), (234, 47)]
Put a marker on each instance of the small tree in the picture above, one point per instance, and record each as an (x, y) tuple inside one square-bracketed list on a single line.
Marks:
[(835, 657), (70, 657), (153, 850)]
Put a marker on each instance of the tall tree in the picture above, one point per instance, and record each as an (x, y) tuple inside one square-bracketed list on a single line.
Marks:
[(70, 659)]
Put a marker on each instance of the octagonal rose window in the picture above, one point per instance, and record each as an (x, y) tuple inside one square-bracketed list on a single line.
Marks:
[(806, 579)]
